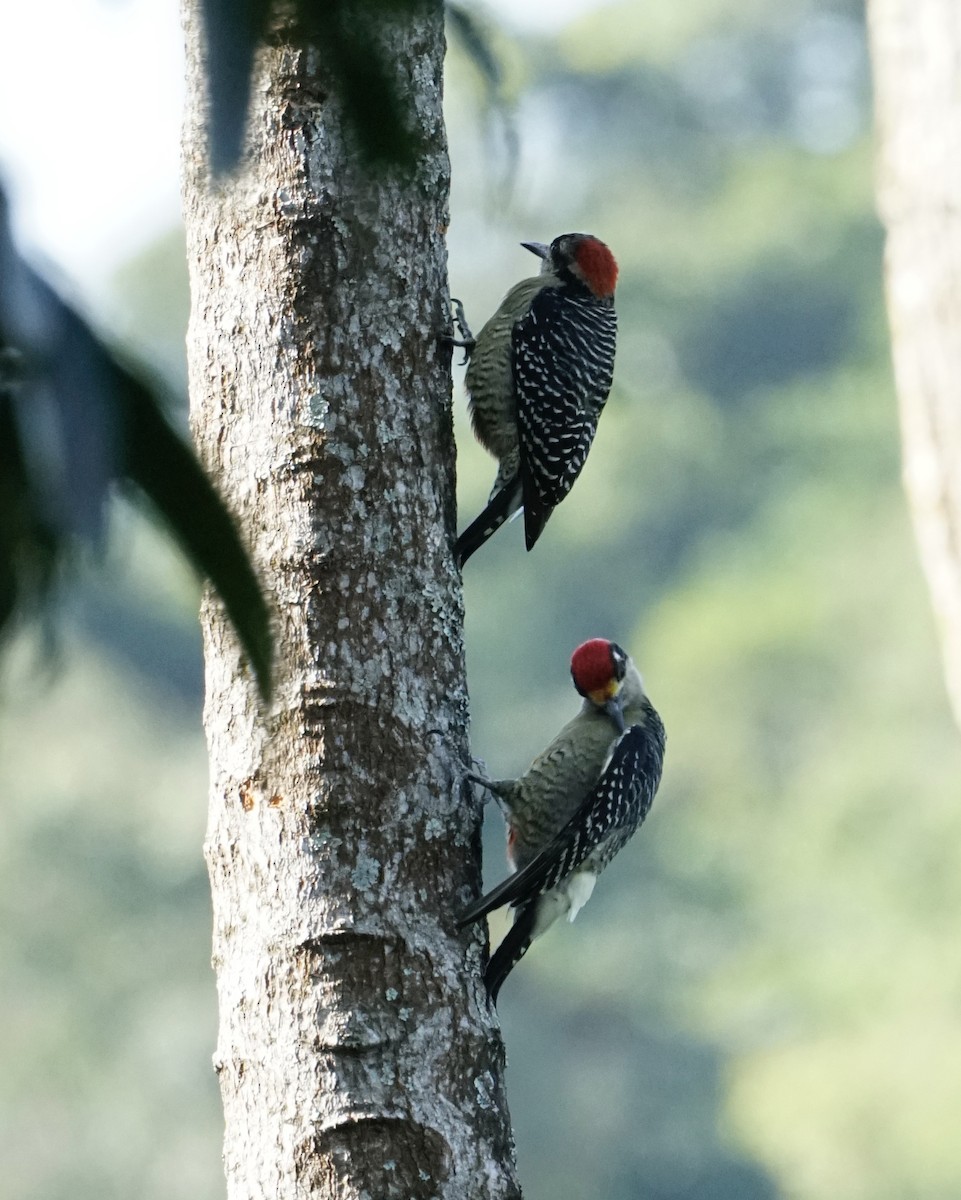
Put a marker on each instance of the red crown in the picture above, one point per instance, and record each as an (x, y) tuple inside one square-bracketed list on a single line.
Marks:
[(597, 265), (592, 666)]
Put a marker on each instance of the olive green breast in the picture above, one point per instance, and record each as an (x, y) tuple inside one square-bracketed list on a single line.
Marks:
[(489, 379), (558, 781)]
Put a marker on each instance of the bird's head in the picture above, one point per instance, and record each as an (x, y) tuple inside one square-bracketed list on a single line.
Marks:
[(606, 677), (582, 257)]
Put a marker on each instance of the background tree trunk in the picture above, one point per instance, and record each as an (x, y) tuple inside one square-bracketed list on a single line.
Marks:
[(916, 50), (356, 1053)]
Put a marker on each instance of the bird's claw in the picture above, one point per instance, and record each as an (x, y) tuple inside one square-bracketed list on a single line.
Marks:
[(466, 341), (480, 780)]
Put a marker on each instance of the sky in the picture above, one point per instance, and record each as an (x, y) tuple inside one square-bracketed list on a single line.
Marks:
[(89, 152)]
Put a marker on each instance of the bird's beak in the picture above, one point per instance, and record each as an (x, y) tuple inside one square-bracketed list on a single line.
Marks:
[(612, 708), (537, 248)]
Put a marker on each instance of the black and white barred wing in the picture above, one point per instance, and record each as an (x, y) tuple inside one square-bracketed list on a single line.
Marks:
[(563, 365), (605, 821)]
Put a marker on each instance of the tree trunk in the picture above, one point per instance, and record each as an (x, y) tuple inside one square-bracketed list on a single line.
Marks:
[(357, 1056), (916, 49)]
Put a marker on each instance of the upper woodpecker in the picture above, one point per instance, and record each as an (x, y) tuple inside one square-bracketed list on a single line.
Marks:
[(577, 804), (538, 377)]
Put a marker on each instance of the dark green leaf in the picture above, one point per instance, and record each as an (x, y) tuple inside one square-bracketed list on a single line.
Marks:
[(232, 31), (29, 544), (353, 37), (478, 47), (73, 420)]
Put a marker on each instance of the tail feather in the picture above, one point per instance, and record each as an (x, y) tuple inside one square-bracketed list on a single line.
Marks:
[(503, 505), (511, 950), (506, 891), (537, 511)]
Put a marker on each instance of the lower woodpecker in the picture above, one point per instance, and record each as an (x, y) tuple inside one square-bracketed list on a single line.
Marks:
[(577, 804)]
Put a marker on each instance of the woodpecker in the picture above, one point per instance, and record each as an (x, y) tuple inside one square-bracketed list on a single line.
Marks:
[(538, 376), (577, 804)]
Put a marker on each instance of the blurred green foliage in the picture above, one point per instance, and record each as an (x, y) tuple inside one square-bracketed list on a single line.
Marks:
[(77, 420), (761, 998)]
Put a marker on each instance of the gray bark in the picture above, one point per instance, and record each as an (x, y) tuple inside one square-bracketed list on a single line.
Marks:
[(916, 51), (356, 1055)]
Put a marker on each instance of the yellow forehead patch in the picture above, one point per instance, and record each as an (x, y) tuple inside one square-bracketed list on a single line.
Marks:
[(601, 695)]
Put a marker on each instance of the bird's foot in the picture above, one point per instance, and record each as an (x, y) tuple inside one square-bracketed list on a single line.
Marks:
[(466, 341)]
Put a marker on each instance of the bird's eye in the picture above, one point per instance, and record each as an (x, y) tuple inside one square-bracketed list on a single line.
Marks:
[(619, 661)]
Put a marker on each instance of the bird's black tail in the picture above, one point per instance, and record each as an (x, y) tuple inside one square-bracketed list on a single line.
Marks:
[(511, 950), (502, 506)]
